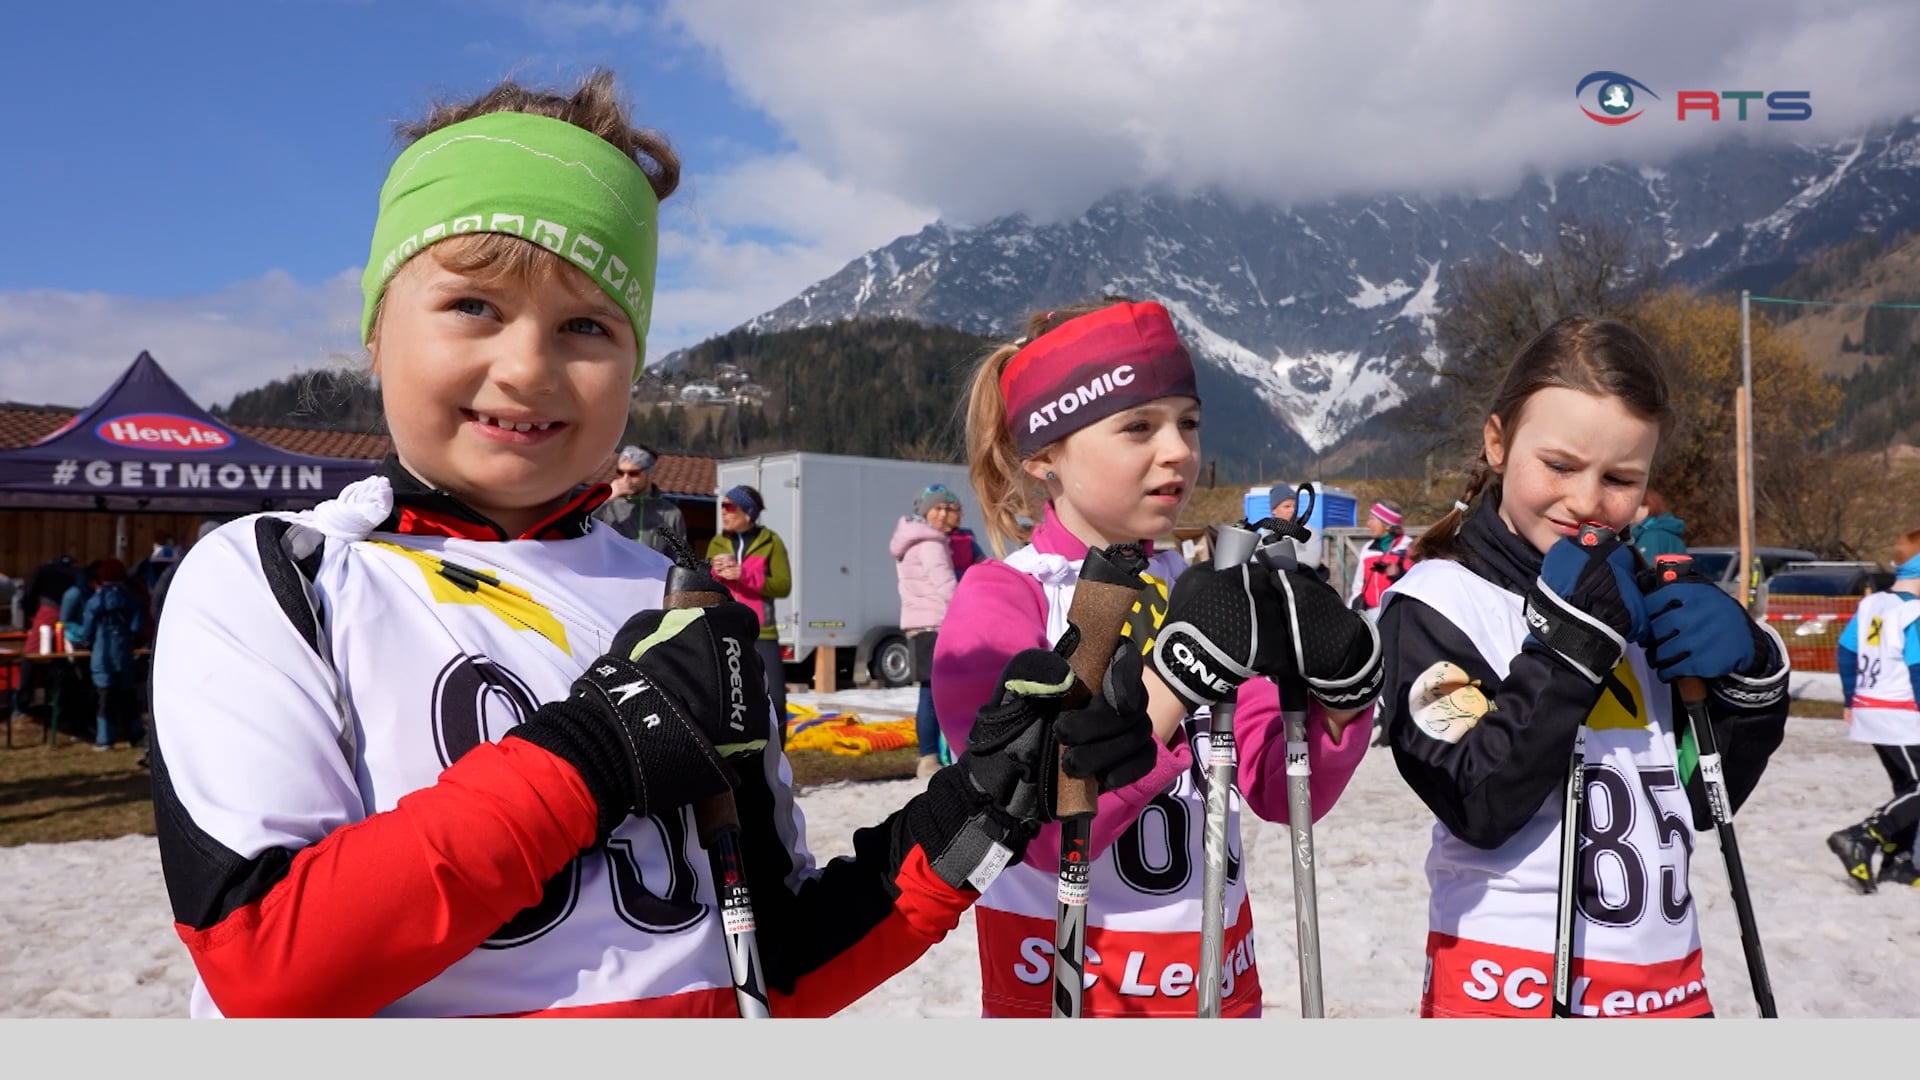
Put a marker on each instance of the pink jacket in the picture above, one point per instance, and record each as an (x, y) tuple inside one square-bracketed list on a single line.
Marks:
[(924, 561), (998, 611)]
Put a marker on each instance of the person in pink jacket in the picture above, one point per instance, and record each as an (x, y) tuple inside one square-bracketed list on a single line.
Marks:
[(1088, 427), (923, 559)]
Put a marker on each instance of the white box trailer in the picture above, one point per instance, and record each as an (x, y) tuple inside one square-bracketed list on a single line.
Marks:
[(836, 515)]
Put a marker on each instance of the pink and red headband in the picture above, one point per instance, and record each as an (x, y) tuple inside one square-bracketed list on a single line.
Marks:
[(1091, 367)]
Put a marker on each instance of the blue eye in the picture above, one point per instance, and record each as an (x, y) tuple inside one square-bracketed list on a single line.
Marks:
[(585, 326), (467, 305), (1615, 97)]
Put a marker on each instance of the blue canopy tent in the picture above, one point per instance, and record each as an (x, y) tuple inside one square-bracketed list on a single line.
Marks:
[(145, 445)]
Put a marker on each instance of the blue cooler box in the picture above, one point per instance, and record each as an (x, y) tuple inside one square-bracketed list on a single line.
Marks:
[(1333, 508)]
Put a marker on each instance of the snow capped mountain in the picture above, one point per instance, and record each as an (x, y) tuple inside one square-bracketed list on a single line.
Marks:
[(1322, 311)]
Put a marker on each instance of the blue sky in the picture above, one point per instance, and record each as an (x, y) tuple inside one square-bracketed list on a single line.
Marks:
[(198, 179), (208, 142)]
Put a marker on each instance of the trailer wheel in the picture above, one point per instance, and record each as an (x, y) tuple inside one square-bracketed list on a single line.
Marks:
[(892, 663)]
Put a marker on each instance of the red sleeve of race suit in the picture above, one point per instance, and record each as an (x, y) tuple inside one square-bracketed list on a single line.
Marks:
[(352, 923)]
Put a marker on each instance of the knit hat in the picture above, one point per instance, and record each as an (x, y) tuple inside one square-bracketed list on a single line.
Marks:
[(1280, 493), (1386, 513), (111, 571), (637, 457), (1091, 367), (931, 496), (742, 498)]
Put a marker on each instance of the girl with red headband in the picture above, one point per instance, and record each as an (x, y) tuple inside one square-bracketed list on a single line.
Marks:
[(1089, 428)]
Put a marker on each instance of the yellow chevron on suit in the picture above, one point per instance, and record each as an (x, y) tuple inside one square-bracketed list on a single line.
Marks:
[(451, 583)]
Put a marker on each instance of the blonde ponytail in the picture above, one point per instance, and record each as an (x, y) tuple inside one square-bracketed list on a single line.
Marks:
[(1004, 491)]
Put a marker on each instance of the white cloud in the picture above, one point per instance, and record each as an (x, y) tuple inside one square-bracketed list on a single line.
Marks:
[(750, 238), (894, 114), (65, 348), (983, 108)]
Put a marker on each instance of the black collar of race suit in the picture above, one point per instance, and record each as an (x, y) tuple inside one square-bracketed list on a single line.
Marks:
[(423, 509), (1495, 552)]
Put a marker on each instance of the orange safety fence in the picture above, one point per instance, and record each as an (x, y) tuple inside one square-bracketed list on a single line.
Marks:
[(1811, 626)]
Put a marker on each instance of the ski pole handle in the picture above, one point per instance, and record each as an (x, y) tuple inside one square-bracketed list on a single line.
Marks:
[(1109, 586), (1279, 553), (1668, 569), (717, 821), (1102, 599), (1233, 545), (688, 587)]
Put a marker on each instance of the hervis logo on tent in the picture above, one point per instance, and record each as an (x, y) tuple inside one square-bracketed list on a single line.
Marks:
[(161, 431)]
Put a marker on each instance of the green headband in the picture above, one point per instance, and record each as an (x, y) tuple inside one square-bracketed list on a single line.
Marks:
[(543, 180)]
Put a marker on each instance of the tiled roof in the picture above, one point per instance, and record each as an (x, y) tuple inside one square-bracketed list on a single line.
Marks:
[(677, 474), (22, 425)]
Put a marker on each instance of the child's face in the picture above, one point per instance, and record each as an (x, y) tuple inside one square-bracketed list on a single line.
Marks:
[(462, 367), (1126, 477), (1571, 457)]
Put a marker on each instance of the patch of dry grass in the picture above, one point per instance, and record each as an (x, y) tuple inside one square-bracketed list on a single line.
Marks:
[(69, 792), (72, 792)]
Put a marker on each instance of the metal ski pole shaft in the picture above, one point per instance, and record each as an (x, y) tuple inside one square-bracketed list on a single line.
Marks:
[(1109, 585), (1693, 695), (1280, 553), (718, 824), (1572, 805), (1572, 812), (1233, 545)]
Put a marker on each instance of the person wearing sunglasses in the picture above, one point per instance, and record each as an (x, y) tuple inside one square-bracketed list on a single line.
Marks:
[(751, 561), (638, 509)]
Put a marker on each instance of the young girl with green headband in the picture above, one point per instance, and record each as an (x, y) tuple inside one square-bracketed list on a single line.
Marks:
[(429, 749)]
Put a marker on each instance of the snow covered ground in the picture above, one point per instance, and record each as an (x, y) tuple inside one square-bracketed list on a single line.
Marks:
[(85, 930)]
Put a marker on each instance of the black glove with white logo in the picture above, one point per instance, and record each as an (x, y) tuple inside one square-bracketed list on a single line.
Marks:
[(1586, 605), (979, 812), (1225, 626), (650, 725)]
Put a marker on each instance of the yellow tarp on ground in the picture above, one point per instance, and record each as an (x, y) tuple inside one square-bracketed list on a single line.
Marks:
[(845, 733)]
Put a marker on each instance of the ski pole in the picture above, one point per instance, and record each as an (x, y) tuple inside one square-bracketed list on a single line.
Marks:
[(1233, 545), (1280, 552), (1572, 810), (1109, 584), (1693, 694), (718, 823)]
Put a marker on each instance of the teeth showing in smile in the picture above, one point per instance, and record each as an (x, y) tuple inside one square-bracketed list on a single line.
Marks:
[(508, 425)]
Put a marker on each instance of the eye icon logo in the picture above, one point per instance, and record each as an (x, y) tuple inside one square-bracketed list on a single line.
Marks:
[(1613, 94)]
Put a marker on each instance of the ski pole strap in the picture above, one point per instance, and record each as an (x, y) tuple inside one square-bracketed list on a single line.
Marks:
[(1588, 645)]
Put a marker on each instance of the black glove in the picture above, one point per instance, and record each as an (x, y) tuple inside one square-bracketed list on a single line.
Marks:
[(979, 812), (1225, 626), (648, 726), (1586, 606)]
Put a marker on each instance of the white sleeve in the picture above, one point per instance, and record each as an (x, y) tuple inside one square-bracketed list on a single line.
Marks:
[(247, 711)]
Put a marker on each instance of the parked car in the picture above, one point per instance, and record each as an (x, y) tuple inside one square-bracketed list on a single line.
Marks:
[(1808, 603), (1819, 578), (1722, 564)]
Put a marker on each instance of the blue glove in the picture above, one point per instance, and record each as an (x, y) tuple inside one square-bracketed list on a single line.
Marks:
[(1699, 631), (1586, 606)]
